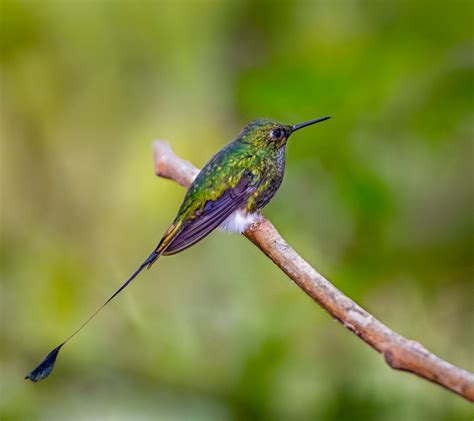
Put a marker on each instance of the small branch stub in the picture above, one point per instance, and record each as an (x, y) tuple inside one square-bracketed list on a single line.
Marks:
[(399, 352)]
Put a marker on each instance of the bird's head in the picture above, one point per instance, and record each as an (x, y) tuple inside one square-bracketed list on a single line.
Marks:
[(265, 132)]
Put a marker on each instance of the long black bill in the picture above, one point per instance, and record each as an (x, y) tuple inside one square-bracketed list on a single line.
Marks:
[(308, 123)]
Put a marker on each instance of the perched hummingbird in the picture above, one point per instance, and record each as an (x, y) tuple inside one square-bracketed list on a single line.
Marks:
[(228, 193)]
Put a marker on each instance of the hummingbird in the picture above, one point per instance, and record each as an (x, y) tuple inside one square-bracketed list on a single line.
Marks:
[(228, 193)]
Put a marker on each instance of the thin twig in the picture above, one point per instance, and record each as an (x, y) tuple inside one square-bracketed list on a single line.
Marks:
[(399, 352)]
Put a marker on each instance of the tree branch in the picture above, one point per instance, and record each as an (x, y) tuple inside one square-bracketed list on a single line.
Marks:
[(399, 352)]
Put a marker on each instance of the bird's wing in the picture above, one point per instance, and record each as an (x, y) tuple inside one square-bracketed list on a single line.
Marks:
[(212, 215)]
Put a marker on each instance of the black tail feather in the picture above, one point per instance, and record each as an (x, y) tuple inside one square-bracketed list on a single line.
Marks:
[(46, 366)]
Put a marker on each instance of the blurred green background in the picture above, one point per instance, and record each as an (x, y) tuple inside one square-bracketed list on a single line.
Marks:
[(381, 203)]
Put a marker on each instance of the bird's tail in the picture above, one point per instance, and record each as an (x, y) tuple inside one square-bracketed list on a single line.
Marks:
[(45, 368), (170, 235)]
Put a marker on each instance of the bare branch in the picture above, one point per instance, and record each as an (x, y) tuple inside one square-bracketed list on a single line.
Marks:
[(399, 352)]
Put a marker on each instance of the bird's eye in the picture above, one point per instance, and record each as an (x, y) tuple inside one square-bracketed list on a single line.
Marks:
[(277, 133)]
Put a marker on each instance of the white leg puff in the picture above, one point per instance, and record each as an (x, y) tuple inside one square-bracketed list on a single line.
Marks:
[(239, 221)]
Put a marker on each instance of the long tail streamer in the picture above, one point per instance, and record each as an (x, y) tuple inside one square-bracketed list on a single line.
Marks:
[(46, 366)]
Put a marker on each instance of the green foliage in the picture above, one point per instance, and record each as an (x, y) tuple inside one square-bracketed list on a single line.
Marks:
[(381, 202)]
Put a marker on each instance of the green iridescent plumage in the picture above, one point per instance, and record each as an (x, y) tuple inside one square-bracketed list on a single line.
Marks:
[(255, 161), (236, 183), (254, 151)]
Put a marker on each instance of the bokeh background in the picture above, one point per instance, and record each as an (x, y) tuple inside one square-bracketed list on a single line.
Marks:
[(379, 199)]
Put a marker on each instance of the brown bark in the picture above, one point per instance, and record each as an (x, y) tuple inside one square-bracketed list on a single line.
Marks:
[(399, 352)]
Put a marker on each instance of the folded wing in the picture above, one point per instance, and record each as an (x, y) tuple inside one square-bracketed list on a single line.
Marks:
[(212, 215)]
